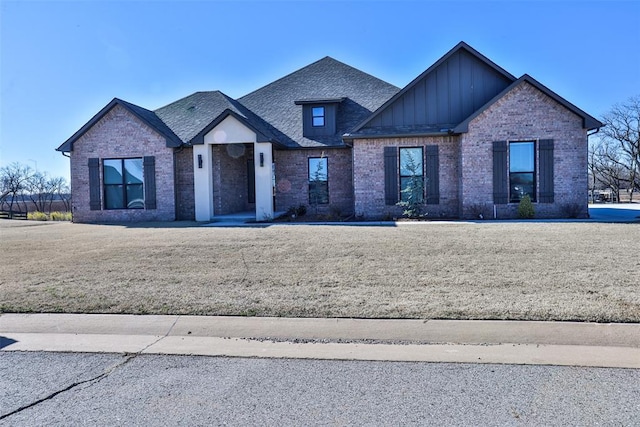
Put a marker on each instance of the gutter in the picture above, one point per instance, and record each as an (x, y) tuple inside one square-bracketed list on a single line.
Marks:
[(593, 133), (448, 132)]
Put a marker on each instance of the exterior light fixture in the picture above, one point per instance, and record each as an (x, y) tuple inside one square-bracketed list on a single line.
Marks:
[(199, 161), (261, 160)]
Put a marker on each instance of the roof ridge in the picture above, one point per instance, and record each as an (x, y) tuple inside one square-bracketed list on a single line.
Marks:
[(131, 104), (325, 58), (188, 96)]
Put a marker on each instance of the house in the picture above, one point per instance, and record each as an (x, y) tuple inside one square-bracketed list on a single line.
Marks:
[(475, 137)]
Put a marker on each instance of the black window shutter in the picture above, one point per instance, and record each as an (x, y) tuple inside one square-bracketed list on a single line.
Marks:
[(94, 184), (433, 175), (500, 175), (390, 175), (149, 167), (546, 171)]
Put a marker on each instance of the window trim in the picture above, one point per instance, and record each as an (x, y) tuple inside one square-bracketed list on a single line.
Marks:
[(123, 184), (311, 181), (315, 116), (534, 172)]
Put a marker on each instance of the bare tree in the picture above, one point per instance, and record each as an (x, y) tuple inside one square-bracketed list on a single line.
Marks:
[(13, 183), (61, 190), (593, 172), (622, 134), (40, 190), (609, 169)]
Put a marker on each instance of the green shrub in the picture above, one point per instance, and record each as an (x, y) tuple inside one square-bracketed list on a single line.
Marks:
[(60, 216), (525, 208), (37, 216)]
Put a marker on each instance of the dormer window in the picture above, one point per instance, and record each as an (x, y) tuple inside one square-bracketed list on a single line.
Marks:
[(317, 117)]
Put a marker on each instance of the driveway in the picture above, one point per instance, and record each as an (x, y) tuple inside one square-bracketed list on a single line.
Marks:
[(622, 212)]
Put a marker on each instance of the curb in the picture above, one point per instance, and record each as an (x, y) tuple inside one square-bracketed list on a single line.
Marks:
[(460, 341)]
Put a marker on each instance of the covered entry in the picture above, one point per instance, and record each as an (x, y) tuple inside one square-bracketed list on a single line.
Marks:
[(233, 172)]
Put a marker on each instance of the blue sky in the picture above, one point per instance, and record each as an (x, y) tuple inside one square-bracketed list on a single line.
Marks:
[(61, 62)]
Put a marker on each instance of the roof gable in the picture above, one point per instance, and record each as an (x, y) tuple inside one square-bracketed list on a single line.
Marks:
[(146, 116), (588, 122), (195, 115), (442, 96), (327, 80)]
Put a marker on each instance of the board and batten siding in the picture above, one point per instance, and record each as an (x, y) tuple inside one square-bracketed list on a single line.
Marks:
[(445, 96)]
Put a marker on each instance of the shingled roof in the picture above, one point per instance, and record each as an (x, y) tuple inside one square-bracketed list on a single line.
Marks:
[(273, 112), (195, 115), (148, 117), (326, 79)]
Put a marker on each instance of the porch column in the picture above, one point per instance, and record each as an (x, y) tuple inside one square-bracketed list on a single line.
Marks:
[(203, 182), (263, 161)]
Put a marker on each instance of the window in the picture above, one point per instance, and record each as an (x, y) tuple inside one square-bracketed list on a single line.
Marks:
[(522, 172), (123, 184), (411, 174), (317, 116), (318, 181)]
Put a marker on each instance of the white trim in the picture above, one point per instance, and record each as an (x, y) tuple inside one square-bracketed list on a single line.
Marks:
[(232, 131)]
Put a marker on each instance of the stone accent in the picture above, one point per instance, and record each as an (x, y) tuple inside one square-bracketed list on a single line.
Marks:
[(525, 114), (185, 196), (292, 179), (120, 134), (368, 179)]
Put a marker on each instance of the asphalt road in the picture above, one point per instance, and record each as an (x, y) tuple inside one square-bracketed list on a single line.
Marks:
[(114, 389)]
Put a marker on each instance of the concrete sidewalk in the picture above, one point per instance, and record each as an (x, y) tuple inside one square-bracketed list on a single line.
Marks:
[(513, 342)]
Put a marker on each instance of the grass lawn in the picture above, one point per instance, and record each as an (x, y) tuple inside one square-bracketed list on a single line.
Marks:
[(512, 270)]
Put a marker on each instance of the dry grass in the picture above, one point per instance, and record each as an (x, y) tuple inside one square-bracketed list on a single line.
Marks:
[(518, 270)]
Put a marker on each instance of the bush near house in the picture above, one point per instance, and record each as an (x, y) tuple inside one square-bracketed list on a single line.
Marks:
[(525, 208)]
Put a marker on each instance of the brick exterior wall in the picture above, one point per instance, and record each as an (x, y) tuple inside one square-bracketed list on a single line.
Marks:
[(356, 176), (368, 180), (185, 195), (525, 114), (120, 134), (292, 179), (466, 161), (230, 178)]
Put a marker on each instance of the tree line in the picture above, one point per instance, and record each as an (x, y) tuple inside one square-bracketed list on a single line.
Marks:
[(614, 155), (21, 186)]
